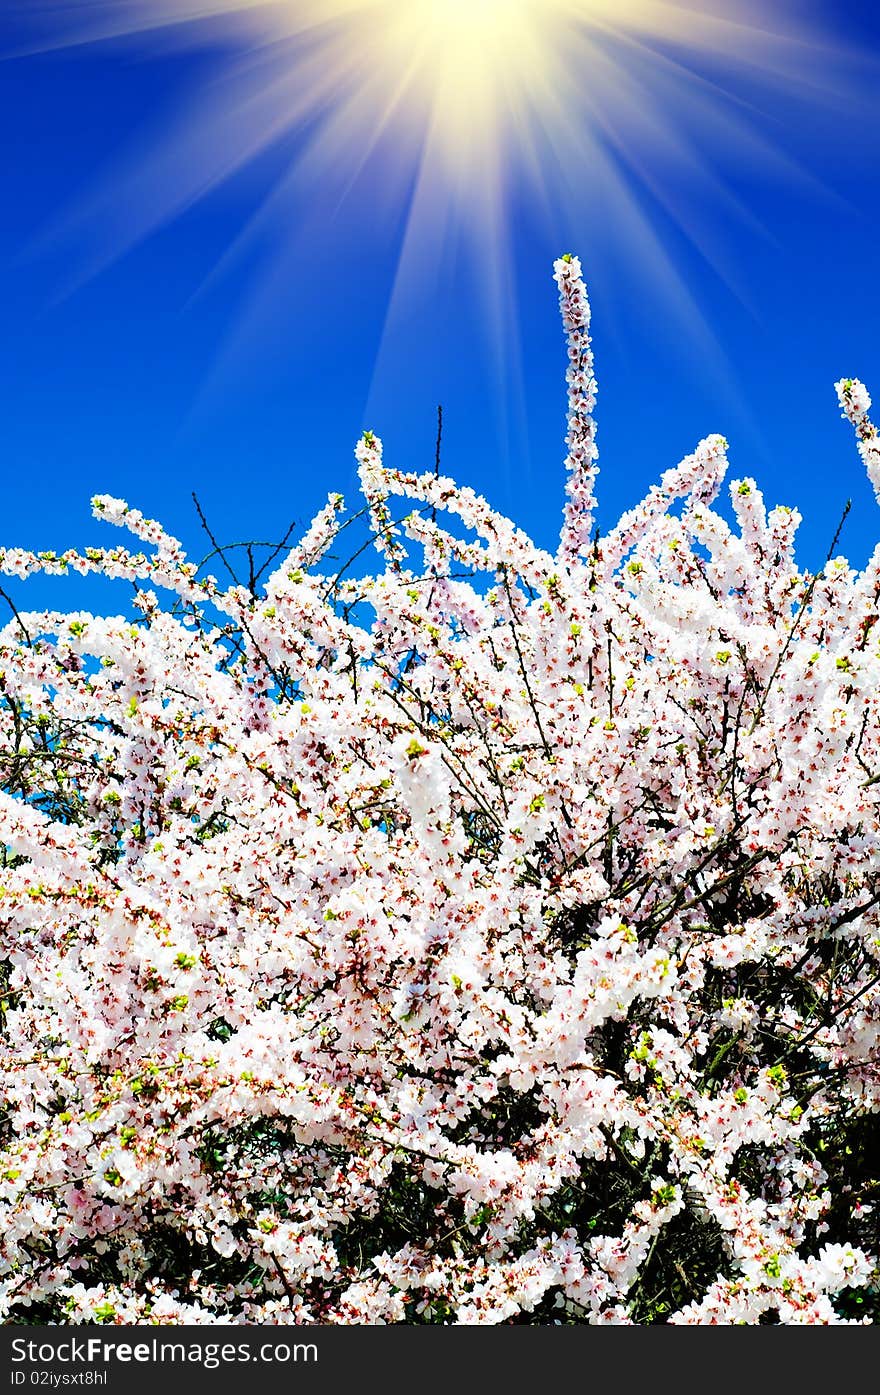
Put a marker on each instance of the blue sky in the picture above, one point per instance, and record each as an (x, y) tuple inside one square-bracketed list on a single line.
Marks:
[(159, 368)]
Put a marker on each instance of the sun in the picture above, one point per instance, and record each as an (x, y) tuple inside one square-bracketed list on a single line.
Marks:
[(470, 88)]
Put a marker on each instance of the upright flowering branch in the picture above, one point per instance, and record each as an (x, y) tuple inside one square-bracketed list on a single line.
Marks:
[(580, 440), (372, 476), (855, 402)]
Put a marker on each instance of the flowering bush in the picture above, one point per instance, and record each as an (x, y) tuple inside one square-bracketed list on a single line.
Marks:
[(495, 938)]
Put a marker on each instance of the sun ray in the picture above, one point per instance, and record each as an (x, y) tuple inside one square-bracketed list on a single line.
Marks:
[(596, 110), (458, 85)]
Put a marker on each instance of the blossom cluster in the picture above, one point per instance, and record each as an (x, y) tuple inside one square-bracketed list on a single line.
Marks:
[(492, 938)]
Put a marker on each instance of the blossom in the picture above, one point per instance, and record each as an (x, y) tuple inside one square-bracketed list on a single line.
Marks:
[(492, 937)]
